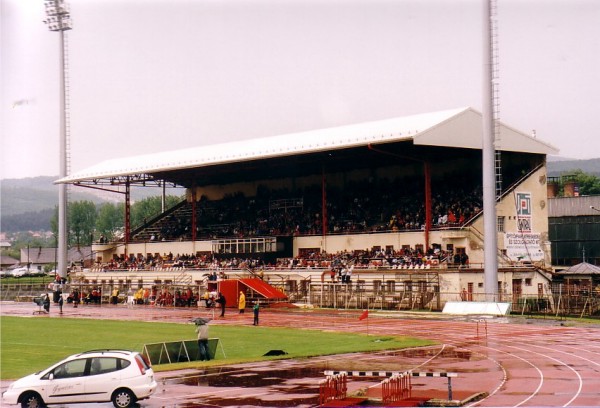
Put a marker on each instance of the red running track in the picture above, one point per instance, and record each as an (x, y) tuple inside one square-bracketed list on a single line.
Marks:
[(518, 362)]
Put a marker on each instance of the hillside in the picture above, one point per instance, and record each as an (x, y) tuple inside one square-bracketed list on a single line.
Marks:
[(559, 167), (35, 194)]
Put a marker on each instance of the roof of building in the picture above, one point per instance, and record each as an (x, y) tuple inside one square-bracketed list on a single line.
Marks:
[(574, 206), (454, 128), (583, 268), (8, 260), (41, 256)]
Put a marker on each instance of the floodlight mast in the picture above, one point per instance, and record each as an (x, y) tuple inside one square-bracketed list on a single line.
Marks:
[(490, 244), (59, 19)]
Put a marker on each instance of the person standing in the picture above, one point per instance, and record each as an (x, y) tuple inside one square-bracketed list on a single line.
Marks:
[(46, 303), (222, 301), (60, 302), (256, 310), (202, 330), (76, 297), (242, 302)]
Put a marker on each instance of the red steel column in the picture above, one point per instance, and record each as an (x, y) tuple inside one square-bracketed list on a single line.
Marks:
[(127, 213), (193, 214), (324, 203), (427, 170)]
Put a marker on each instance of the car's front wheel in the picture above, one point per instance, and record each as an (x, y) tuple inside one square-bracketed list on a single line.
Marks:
[(32, 400), (123, 398)]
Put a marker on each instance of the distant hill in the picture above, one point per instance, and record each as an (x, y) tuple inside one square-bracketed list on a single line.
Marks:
[(35, 194), (557, 166)]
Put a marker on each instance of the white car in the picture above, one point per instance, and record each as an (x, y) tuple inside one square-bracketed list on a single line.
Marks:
[(19, 272), (120, 376)]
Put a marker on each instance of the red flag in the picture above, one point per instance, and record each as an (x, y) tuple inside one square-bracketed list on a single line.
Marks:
[(364, 315)]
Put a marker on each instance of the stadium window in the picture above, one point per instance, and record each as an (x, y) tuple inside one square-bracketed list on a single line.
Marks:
[(527, 281), (501, 224)]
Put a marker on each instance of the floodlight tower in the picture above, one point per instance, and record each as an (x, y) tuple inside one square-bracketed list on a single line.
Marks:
[(490, 186), (59, 19)]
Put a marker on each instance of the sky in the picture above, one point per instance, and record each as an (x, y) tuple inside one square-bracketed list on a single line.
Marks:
[(155, 75)]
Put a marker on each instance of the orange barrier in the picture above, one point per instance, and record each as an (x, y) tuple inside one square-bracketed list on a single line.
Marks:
[(334, 387), (396, 388)]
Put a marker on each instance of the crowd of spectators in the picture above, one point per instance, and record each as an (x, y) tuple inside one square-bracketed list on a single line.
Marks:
[(217, 266), (360, 207)]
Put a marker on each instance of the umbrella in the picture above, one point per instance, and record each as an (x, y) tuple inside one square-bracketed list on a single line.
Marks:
[(201, 320)]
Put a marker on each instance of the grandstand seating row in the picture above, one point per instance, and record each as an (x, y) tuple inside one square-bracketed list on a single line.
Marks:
[(386, 207)]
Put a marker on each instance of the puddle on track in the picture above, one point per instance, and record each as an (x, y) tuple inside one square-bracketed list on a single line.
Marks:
[(295, 383)]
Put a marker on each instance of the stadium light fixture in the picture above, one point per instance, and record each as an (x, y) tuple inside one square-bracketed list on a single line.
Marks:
[(58, 15), (59, 20)]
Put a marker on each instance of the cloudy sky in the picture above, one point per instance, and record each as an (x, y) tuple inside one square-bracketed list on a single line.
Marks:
[(156, 75)]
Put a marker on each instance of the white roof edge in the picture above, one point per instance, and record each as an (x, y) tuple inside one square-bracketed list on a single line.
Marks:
[(362, 134)]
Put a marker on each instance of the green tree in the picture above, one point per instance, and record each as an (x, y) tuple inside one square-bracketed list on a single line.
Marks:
[(81, 222), (110, 219), (148, 208), (588, 183), (54, 223)]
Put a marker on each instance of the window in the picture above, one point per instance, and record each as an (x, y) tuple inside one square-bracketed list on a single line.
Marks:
[(70, 369), (500, 224), (102, 365), (527, 281)]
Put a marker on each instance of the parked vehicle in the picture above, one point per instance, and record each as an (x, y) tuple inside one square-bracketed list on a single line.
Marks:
[(20, 272), (120, 376)]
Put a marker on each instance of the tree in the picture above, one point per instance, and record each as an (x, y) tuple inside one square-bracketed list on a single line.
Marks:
[(81, 222), (110, 219), (588, 183), (148, 208)]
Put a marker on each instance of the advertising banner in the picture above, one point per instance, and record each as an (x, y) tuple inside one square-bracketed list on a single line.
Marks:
[(523, 246)]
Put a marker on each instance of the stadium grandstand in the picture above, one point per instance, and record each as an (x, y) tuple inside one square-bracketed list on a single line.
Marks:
[(384, 214)]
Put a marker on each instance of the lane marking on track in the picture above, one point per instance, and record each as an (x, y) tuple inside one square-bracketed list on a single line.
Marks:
[(537, 390), (559, 362)]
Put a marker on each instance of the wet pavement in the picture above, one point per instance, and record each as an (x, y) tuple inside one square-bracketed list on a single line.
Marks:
[(515, 361)]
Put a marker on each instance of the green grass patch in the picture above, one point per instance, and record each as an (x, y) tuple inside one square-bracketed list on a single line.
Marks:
[(31, 344), (26, 280)]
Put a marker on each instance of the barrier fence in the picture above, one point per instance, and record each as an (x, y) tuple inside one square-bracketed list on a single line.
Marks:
[(396, 388), (388, 292), (334, 387)]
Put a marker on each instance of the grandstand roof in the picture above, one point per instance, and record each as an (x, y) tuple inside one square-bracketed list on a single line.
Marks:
[(456, 128)]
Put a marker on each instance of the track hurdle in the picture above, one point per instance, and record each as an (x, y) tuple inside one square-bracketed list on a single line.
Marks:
[(390, 374), (334, 387), (446, 375), (484, 327)]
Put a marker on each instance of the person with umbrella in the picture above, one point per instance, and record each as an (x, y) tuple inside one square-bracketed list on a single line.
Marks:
[(202, 331)]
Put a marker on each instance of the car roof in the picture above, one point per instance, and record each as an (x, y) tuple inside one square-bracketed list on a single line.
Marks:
[(106, 351)]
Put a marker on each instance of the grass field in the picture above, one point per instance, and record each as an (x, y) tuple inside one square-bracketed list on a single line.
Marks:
[(28, 345)]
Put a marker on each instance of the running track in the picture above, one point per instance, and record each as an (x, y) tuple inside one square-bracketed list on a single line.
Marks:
[(519, 363)]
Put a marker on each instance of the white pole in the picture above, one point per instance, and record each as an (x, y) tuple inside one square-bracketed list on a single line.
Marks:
[(62, 188), (490, 247)]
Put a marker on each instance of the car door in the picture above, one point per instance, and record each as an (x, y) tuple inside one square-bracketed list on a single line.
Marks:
[(104, 377), (65, 383)]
